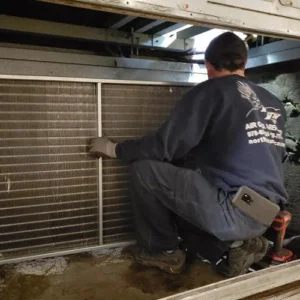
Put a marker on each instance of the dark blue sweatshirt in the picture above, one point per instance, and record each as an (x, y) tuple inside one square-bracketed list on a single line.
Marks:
[(235, 128)]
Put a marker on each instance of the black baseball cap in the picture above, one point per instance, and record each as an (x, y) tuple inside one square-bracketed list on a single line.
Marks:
[(227, 51)]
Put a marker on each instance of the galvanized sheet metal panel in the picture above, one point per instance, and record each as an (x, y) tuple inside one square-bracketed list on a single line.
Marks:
[(48, 183), (128, 111)]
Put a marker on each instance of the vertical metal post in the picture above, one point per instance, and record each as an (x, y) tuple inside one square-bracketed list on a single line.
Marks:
[(99, 118)]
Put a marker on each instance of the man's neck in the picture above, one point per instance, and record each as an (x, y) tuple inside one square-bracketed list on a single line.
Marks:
[(227, 73)]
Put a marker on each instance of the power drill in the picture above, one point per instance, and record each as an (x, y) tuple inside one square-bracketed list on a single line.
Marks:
[(279, 254)]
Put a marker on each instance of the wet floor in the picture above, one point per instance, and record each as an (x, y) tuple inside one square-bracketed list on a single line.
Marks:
[(106, 274)]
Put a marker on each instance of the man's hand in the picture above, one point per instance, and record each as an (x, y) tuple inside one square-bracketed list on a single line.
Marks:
[(102, 147)]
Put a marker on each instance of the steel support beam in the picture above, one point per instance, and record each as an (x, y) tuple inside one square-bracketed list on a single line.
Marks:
[(122, 22), (149, 26), (191, 32), (94, 34), (173, 28)]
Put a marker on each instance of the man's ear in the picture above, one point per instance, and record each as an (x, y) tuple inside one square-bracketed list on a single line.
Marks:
[(208, 65), (210, 69)]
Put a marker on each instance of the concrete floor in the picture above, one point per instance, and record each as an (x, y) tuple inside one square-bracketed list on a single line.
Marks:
[(106, 274)]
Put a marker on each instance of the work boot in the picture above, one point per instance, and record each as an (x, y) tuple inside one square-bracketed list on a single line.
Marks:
[(239, 259), (172, 262)]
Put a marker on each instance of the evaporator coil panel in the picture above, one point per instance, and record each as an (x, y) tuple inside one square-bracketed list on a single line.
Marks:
[(128, 111), (48, 184)]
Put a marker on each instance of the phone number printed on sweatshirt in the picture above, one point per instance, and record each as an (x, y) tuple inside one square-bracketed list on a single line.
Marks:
[(258, 132)]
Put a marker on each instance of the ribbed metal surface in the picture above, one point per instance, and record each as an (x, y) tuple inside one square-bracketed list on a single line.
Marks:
[(128, 111), (48, 183), (49, 197)]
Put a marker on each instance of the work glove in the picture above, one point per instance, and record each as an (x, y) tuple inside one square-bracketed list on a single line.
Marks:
[(102, 147)]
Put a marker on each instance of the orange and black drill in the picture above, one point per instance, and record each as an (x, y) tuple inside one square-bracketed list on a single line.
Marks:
[(279, 254)]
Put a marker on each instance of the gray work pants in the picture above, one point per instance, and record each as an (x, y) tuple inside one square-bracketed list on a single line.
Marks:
[(161, 191)]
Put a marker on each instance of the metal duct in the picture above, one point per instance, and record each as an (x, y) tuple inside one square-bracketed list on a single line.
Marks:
[(273, 53), (128, 111), (48, 183)]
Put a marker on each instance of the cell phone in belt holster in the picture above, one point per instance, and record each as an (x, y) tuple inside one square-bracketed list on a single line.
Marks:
[(255, 206)]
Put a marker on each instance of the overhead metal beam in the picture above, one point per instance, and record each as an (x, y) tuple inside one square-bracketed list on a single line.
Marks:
[(94, 34), (122, 22), (274, 20), (191, 32)]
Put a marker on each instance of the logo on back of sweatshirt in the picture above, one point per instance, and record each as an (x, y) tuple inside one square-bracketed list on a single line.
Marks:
[(266, 131), (272, 114)]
